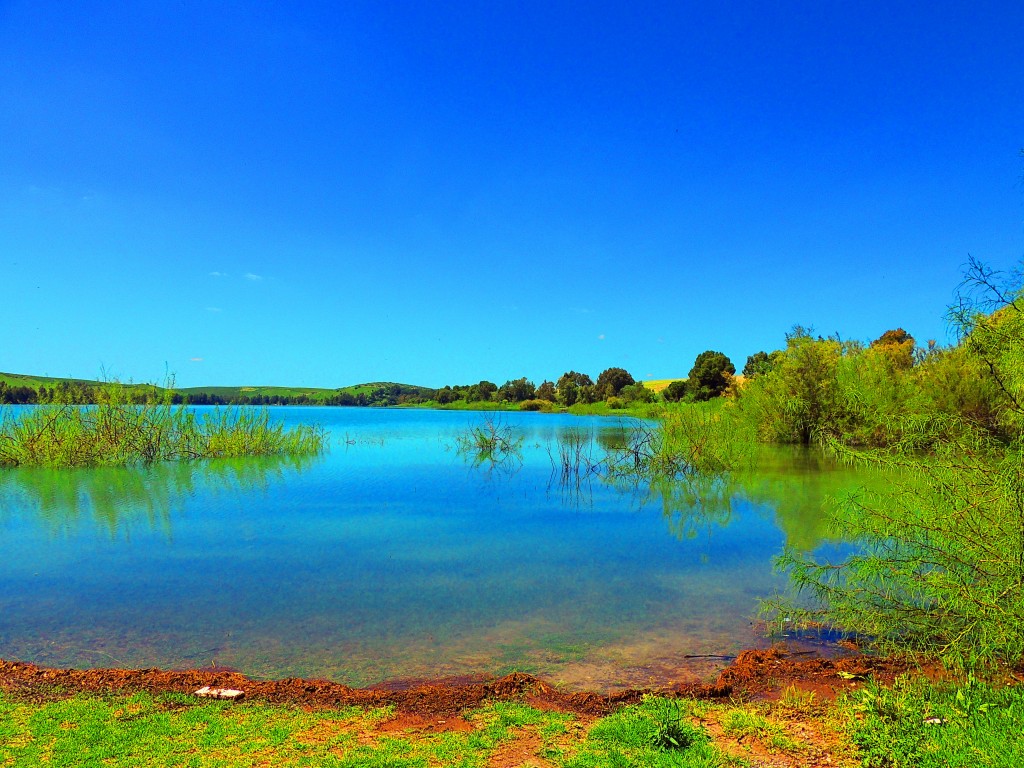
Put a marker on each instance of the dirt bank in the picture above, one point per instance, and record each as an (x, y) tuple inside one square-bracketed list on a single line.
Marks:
[(754, 673)]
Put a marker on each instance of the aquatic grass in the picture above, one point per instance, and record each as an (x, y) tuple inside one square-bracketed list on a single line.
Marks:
[(491, 442), (119, 431), (572, 459), (688, 440)]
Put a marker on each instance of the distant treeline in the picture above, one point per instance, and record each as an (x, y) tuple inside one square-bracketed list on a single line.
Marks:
[(616, 387), (80, 393), (384, 395), (812, 387)]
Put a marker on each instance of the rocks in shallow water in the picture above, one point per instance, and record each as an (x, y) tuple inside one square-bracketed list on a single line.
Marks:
[(220, 693)]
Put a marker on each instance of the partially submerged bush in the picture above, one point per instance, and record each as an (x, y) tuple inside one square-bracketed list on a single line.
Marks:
[(940, 568)]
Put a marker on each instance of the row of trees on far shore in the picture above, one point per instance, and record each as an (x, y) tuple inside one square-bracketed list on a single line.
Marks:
[(804, 372), (712, 375)]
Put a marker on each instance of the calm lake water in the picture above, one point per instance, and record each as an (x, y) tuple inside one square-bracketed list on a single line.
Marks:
[(394, 556)]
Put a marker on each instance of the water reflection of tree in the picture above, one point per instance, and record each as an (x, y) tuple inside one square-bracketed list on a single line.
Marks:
[(118, 499), (801, 485), (692, 504), (798, 486)]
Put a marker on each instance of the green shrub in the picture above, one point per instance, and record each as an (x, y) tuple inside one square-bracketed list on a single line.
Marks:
[(537, 405), (675, 391)]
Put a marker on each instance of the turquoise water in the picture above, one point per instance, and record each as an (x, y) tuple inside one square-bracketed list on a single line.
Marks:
[(397, 556)]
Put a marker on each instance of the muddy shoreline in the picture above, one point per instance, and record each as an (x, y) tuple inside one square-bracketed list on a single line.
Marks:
[(754, 673)]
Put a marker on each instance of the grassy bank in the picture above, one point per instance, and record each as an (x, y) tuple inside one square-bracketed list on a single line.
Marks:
[(178, 730), (119, 431), (908, 724)]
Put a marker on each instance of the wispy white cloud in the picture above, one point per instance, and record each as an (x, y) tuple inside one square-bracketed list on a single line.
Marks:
[(195, 359), (600, 337), (213, 309), (251, 276), (218, 274)]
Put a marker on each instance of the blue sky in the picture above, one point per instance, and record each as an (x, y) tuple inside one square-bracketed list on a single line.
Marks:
[(432, 193)]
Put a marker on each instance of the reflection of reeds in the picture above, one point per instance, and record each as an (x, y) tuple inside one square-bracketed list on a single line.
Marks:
[(666, 464), (572, 458), (116, 498), (118, 431), (573, 464)]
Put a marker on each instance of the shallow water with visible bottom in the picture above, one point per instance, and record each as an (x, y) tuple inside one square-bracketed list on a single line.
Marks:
[(397, 556)]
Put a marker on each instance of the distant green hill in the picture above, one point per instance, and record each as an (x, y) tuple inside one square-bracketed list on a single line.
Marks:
[(23, 380), (231, 392), (311, 394), (409, 389)]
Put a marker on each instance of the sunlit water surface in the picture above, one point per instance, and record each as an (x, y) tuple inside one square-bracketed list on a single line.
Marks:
[(395, 556)]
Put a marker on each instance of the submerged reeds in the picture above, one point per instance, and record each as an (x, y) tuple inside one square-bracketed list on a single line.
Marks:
[(491, 442), (118, 431)]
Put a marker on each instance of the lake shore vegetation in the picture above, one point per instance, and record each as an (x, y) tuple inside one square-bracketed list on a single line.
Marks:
[(119, 430), (940, 565)]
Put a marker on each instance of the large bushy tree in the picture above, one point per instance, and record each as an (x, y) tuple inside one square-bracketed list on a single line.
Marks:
[(897, 345), (546, 391), (638, 393), (570, 385), (711, 373), (486, 389), (612, 380), (517, 390)]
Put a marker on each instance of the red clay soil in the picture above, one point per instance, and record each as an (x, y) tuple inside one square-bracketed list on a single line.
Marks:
[(756, 673), (765, 674)]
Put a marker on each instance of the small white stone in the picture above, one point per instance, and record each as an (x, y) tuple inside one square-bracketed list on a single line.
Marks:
[(219, 693)]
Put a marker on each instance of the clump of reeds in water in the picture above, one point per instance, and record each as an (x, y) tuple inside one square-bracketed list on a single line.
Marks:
[(688, 442), (117, 430), (491, 441)]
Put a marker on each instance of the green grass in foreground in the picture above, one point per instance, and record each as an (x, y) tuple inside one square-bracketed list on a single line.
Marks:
[(918, 725), (912, 724), (177, 730)]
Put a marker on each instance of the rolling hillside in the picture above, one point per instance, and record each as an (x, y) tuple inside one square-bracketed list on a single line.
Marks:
[(13, 380), (24, 380)]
